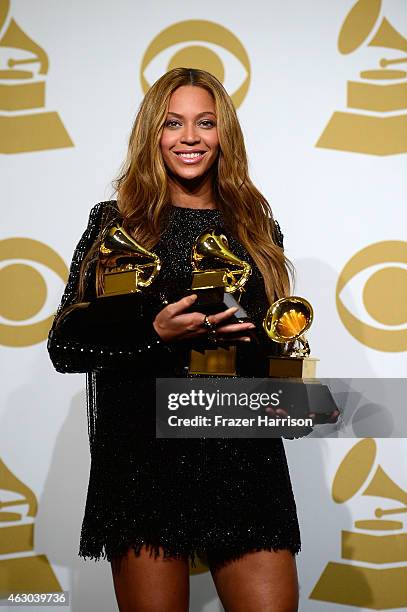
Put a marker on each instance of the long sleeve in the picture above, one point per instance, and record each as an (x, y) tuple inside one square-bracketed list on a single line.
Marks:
[(73, 350)]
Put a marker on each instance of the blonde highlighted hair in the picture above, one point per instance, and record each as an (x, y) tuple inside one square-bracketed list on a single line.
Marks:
[(142, 186)]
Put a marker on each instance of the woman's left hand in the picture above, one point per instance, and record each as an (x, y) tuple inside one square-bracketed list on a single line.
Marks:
[(174, 323)]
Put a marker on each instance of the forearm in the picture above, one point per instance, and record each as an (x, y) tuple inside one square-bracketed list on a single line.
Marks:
[(90, 338), (70, 354)]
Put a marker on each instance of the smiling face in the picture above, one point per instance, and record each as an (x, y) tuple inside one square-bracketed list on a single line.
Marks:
[(189, 142)]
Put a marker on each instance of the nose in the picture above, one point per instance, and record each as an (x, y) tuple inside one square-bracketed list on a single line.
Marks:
[(190, 134)]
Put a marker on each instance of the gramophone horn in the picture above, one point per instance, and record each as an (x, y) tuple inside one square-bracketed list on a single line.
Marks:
[(213, 246), (387, 36), (120, 253), (382, 485), (360, 22), (354, 470), (118, 243), (288, 318)]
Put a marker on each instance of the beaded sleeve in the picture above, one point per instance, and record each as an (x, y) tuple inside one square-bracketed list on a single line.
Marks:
[(69, 354)]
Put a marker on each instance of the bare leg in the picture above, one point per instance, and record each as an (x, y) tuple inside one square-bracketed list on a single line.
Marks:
[(264, 580), (145, 584)]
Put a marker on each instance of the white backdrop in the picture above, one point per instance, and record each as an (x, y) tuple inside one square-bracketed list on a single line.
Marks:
[(331, 203)]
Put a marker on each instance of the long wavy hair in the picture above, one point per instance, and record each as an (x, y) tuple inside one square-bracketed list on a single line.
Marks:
[(142, 186)]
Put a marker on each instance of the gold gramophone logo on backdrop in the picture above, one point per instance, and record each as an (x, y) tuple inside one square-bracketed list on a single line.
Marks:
[(377, 121), (195, 55), (23, 290), (27, 572), (360, 579), (24, 126), (384, 296)]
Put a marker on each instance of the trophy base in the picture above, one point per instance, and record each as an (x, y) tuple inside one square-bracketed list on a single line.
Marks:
[(27, 575), (219, 362), (210, 287), (22, 96), (292, 367), (120, 283), (365, 134), (370, 548), (364, 587), (34, 132), (378, 98), (16, 538)]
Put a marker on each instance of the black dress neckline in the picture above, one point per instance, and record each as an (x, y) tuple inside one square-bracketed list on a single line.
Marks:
[(194, 210)]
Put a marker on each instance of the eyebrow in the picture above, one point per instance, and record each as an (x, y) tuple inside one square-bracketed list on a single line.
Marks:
[(199, 114)]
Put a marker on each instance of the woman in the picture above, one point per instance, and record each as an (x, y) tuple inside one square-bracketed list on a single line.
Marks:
[(153, 504)]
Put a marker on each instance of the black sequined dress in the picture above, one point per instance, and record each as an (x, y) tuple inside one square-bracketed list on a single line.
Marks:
[(217, 498)]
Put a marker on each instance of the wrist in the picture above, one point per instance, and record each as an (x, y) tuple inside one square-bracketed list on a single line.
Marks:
[(156, 329), (159, 340), (159, 332)]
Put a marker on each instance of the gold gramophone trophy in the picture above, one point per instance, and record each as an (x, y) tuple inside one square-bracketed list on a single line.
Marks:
[(286, 321), (124, 266), (24, 125), (377, 123), (215, 286), (373, 573), (124, 271), (217, 276), (21, 569)]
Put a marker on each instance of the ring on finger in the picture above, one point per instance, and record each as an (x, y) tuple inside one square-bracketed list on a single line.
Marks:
[(209, 326)]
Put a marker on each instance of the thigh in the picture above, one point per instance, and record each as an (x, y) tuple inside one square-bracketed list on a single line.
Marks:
[(147, 584), (264, 580)]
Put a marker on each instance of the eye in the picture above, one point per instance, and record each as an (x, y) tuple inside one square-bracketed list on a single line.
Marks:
[(206, 123), (32, 276), (199, 44), (371, 296), (171, 123)]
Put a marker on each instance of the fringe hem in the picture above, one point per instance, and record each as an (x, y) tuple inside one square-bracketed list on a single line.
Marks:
[(215, 559), (158, 550)]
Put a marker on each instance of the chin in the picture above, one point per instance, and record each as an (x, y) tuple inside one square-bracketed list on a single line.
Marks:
[(188, 173)]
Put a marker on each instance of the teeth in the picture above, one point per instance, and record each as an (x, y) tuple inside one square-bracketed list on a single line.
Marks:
[(189, 155)]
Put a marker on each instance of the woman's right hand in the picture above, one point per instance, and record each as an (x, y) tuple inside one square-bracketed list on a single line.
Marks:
[(173, 323)]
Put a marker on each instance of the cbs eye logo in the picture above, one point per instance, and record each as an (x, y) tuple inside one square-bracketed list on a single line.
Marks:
[(168, 50), (383, 296), (23, 290)]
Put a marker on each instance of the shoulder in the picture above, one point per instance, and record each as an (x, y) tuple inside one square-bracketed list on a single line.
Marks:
[(278, 234), (102, 210), (101, 214)]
